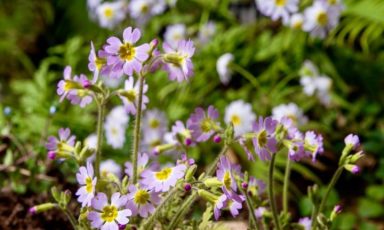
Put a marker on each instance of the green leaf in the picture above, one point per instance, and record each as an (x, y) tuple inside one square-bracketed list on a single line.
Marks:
[(370, 208)]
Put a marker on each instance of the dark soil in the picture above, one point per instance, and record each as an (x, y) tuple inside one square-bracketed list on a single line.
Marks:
[(14, 213)]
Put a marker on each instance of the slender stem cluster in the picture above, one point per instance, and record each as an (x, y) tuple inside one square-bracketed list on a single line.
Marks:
[(100, 120), (286, 185)]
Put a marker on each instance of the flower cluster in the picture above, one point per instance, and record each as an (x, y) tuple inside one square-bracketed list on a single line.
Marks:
[(314, 83), (317, 19)]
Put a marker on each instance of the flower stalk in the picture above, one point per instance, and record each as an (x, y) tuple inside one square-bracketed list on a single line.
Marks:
[(137, 129), (286, 185), (100, 120), (271, 193)]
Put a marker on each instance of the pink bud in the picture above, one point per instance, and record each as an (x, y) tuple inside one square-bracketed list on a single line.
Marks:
[(154, 42), (86, 83), (355, 169), (217, 139), (52, 155), (156, 151), (244, 185), (187, 187), (32, 210), (188, 141)]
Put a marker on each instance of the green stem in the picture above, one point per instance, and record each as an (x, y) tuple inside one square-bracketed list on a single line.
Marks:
[(271, 196), (182, 211), (71, 218), (187, 203), (137, 130), (332, 183), (100, 120), (245, 73), (286, 185), (251, 210), (149, 223)]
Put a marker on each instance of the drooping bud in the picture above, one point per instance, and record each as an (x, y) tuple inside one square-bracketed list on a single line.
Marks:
[(244, 185), (162, 148), (190, 172), (188, 141), (51, 155), (352, 168), (41, 208), (336, 210)]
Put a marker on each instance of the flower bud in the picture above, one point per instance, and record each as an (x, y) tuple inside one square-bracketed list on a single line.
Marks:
[(55, 194), (41, 208), (217, 139), (352, 168), (190, 172), (51, 155), (162, 148), (207, 195), (244, 185), (212, 182), (188, 141), (187, 187), (356, 157), (86, 83), (67, 197), (336, 210)]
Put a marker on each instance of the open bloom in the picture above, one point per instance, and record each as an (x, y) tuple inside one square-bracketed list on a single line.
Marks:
[(278, 8), (220, 203), (142, 10), (87, 190), (290, 110), (225, 174), (352, 140), (222, 67), (110, 14), (203, 124), (62, 146), (177, 61), (109, 215), (96, 63), (114, 133), (206, 32), (123, 56), (180, 132), (296, 21), (240, 115), (81, 96), (130, 95), (110, 166), (319, 19), (265, 143), (142, 201), (174, 34), (65, 86), (141, 163), (163, 180), (313, 144)]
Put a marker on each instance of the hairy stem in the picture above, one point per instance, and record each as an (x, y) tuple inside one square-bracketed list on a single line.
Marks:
[(150, 222), (136, 141), (332, 183), (100, 120), (271, 196), (286, 185), (250, 210), (187, 203), (71, 218)]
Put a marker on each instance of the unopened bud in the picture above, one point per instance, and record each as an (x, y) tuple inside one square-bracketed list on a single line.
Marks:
[(41, 208), (51, 155), (187, 187), (86, 83), (352, 168), (244, 185), (212, 182), (207, 195), (188, 141), (190, 172), (217, 139)]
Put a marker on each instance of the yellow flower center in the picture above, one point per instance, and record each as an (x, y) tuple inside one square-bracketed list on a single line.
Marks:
[(280, 2), (322, 18), (297, 25), (144, 9), (227, 180), (68, 85), (174, 58), (100, 62), (82, 93), (127, 52), (114, 131), (130, 95), (108, 12), (332, 2), (62, 146), (235, 119), (163, 174), (154, 123), (141, 197), (206, 125), (109, 213), (88, 185), (262, 138)]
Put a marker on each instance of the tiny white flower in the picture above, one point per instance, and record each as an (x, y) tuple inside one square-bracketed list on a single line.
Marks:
[(206, 32), (110, 14), (240, 115), (118, 115), (110, 166), (222, 66), (114, 133), (277, 9), (296, 21), (319, 19), (291, 111), (175, 33), (142, 10)]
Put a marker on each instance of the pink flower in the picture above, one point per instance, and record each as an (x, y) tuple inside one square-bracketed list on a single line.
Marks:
[(124, 57)]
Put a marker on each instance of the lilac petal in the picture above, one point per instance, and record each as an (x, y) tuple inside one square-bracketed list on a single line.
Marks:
[(100, 201), (95, 219), (110, 226), (127, 35), (122, 216)]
